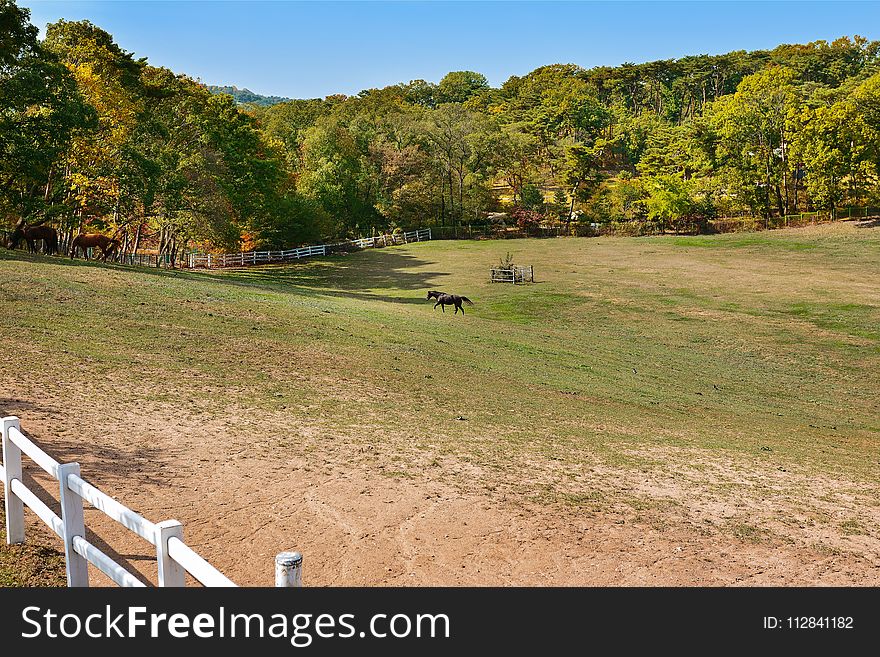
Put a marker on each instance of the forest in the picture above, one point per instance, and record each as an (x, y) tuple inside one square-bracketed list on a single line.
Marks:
[(94, 138)]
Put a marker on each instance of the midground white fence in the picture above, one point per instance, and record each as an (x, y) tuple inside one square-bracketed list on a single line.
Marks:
[(211, 260), (512, 274), (174, 558)]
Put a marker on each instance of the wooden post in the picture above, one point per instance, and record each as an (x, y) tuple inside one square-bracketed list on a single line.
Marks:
[(288, 570), (74, 525), (12, 470), (171, 573)]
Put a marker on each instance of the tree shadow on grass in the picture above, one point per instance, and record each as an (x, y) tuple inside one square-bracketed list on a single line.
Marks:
[(374, 269), (342, 275)]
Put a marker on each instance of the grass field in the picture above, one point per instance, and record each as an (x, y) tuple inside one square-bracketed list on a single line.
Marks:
[(718, 389)]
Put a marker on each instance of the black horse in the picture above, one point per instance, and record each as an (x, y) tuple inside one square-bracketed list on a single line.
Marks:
[(444, 300)]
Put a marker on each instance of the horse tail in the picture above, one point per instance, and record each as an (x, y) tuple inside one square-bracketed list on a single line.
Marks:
[(467, 301), (73, 244)]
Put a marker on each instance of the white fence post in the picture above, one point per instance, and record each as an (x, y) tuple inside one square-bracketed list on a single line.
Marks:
[(288, 569), (74, 525), (171, 573), (12, 470)]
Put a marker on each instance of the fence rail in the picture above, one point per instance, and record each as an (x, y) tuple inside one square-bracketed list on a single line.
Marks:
[(174, 557), (513, 274), (243, 259), (748, 224)]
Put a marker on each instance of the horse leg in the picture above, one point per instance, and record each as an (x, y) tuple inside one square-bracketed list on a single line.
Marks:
[(443, 307)]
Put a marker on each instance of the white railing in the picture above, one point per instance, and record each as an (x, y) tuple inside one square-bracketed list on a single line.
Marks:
[(211, 260), (513, 274), (173, 556)]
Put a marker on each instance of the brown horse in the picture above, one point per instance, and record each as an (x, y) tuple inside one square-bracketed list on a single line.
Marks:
[(32, 234), (84, 241)]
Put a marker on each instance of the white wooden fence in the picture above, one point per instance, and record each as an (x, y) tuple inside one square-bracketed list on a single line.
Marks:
[(512, 274), (174, 557), (211, 260), (390, 239)]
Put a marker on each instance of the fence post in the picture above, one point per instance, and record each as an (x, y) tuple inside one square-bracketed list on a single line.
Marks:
[(171, 573), (74, 525), (288, 569), (429, 233), (12, 467)]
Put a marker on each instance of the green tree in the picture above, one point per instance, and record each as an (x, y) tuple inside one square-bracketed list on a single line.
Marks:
[(669, 201), (838, 147), (755, 126), (532, 198), (459, 86), (41, 111)]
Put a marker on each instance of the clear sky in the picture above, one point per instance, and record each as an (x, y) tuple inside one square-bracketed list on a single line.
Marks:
[(313, 49)]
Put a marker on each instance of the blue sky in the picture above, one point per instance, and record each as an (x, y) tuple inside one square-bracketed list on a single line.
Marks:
[(313, 49)]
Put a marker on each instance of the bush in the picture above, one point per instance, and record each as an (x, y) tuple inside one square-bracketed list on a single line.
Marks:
[(526, 219)]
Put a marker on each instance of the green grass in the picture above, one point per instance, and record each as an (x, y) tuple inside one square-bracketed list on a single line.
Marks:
[(665, 345), (625, 353)]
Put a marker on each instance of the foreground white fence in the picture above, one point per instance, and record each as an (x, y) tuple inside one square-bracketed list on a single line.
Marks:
[(211, 260), (174, 558)]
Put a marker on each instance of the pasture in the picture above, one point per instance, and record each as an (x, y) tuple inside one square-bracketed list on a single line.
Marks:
[(651, 411)]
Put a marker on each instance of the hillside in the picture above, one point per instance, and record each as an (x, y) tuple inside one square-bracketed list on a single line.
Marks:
[(246, 96), (661, 411)]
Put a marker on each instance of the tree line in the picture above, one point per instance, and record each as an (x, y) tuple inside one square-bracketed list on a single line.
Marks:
[(93, 137)]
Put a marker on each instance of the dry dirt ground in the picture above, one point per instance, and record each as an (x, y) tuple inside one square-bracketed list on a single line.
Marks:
[(356, 527)]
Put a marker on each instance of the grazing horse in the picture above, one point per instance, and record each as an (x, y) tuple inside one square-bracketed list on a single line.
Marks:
[(444, 300), (83, 241), (32, 234)]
